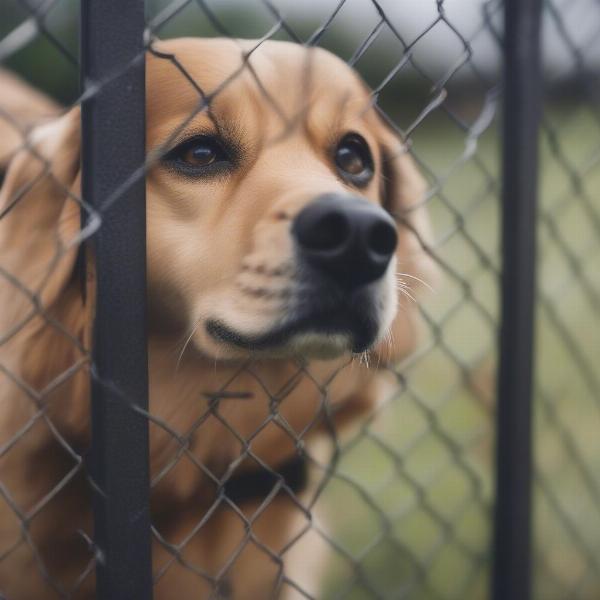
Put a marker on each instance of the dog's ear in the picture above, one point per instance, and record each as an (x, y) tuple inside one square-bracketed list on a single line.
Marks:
[(403, 193), (40, 218), (21, 108)]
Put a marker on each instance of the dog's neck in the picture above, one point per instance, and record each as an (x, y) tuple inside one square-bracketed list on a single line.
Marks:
[(201, 411)]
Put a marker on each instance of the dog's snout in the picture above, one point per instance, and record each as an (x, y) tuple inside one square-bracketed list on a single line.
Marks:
[(346, 237)]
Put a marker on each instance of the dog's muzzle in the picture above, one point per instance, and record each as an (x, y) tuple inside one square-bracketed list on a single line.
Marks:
[(346, 238), (344, 246)]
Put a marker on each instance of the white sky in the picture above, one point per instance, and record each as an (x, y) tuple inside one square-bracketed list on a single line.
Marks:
[(581, 19)]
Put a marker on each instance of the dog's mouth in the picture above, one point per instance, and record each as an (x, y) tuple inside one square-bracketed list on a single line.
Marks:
[(351, 325)]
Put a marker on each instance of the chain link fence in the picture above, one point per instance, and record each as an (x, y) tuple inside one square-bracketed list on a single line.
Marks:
[(44, 359), (567, 387), (302, 478)]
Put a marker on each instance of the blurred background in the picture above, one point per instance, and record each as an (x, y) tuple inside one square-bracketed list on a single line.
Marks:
[(416, 480)]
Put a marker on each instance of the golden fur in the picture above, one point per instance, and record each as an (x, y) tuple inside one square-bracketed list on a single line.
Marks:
[(221, 248)]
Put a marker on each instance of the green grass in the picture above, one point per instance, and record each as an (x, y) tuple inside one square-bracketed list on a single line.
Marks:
[(421, 475), (567, 424)]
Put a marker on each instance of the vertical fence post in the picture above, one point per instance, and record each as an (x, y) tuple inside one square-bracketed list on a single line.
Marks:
[(113, 140), (511, 577)]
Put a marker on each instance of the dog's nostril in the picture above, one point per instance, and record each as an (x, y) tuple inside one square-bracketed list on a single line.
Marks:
[(382, 239), (330, 232)]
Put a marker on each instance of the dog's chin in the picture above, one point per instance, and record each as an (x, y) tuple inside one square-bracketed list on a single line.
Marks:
[(325, 335), (323, 324), (318, 345), (306, 344)]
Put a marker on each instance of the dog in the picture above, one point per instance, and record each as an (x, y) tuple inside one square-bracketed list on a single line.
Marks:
[(285, 222)]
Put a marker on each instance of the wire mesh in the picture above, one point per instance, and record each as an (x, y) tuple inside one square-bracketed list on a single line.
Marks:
[(44, 357), (566, 486), (422, 502), (413, 475), (397, 499)]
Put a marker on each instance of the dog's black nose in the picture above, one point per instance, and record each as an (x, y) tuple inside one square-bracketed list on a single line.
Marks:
[(346, 237)]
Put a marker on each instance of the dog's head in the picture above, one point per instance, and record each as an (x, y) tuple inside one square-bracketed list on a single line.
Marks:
[(270, 203), (283, 213)]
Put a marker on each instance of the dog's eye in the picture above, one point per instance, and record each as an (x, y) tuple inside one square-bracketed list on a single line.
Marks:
[(201, 155), (353, 159)]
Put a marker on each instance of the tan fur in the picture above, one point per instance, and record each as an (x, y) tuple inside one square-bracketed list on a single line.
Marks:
[(21, 108), (211, 245)]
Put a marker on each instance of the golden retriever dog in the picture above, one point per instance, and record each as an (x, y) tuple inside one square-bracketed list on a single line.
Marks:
[(284, 220)]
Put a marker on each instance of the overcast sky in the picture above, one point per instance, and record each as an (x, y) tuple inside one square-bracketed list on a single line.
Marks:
[(581, 20)]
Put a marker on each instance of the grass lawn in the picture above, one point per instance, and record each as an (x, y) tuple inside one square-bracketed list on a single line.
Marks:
[(416, 483)]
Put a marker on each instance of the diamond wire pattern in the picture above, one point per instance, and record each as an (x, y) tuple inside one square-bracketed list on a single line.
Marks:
[(567, 486), (414, 483), (385, 540), (25, 24), (414, 477)]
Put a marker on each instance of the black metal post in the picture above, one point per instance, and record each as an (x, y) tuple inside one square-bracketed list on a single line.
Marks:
[(113, 140), (511, 578)]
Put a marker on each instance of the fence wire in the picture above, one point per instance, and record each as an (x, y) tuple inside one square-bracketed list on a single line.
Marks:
[(567, 391), (414, 488), (396, 503)]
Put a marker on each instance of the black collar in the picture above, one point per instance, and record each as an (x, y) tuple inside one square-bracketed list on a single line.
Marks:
[(257, 485)]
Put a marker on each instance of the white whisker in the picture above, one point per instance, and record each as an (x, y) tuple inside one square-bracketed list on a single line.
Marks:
[(404, 289), (421, 281), (390, 343), (378, 359), (364, 358), (387, 342), (185, 345)]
